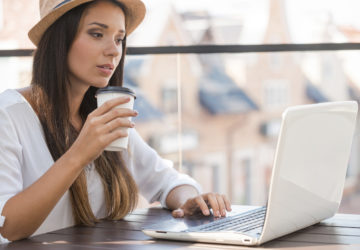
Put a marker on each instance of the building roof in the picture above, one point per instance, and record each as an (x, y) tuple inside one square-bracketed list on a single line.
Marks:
[(220, 95), (147, 112), (315, 94), (354, 94), (352, 33)]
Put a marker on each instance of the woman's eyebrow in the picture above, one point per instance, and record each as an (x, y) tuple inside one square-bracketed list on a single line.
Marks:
[(99, 24), (105, 26)]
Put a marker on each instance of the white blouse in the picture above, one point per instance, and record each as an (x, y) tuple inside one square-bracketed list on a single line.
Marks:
[(24, 158)]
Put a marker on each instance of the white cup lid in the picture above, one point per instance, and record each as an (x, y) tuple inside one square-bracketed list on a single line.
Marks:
[(115, 89)]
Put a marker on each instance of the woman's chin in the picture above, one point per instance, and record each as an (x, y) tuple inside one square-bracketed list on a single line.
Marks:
[(100, 85)]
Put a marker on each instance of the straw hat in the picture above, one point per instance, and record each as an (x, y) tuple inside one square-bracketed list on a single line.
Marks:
[(51, 10)]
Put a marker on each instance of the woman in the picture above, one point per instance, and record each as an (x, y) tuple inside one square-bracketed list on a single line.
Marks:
[(54, 170)]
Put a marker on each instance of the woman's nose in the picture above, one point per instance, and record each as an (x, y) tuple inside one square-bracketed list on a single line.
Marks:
[(112, 49)]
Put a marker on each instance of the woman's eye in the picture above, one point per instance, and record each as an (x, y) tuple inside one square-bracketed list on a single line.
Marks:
[(96, 35)]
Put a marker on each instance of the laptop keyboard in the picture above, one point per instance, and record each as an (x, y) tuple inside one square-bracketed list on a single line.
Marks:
[(242, 222)]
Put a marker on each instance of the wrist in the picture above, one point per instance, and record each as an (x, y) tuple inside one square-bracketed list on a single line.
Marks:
[(74, 159), (179, 195)]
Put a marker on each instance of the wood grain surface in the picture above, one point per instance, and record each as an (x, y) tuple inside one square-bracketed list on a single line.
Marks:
[(341, 232)]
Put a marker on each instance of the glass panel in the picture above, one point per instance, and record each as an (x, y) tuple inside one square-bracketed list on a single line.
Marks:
[(231, 107), (188, 22), (15, 72), (154, 79), (17, 19), (231, 111)]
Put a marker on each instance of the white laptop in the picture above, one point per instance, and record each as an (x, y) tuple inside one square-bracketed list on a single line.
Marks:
[(306, 187)]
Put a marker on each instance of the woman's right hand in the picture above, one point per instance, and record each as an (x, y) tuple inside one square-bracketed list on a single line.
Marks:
[(101, 128)]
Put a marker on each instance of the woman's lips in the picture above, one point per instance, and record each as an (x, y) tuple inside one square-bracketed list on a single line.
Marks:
[(105, 70)]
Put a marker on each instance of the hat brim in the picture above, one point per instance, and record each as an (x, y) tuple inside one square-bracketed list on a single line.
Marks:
[(135, 13)]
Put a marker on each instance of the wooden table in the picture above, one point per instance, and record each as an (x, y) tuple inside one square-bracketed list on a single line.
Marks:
[(340, 232)]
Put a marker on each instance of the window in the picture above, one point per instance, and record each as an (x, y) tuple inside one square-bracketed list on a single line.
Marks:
[(169, 142), (276, 94), (169, 98)]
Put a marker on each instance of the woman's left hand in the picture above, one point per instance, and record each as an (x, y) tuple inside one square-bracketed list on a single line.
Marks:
[(202, 203)]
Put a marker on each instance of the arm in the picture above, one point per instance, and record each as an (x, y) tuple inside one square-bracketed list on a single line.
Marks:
[(159, 181), (25, 211), (179, 195)]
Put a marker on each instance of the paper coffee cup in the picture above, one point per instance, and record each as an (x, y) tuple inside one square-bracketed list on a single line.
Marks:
[(105, 94)]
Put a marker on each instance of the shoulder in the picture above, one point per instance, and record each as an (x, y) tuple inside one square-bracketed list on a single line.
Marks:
[(9, 98), (17, 120), (14, 107)]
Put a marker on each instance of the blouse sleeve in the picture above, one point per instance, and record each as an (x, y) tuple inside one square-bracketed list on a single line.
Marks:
[(154, 176), (10, 163)]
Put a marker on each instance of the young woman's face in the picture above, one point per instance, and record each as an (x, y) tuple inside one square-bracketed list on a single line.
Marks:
[(97, 48)]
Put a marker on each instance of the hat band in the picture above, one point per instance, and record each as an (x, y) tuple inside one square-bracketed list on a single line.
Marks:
[(63, 2)]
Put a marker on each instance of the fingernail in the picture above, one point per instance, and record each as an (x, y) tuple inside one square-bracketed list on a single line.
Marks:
[(135, 112), (178, 213), (207, 212), (217, 214), (223, 212), (132, 124)]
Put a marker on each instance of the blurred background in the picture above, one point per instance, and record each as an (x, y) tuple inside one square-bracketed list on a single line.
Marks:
[(217, 115)]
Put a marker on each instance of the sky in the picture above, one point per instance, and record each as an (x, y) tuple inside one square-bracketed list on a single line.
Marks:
[(343, 10), (305, 17)]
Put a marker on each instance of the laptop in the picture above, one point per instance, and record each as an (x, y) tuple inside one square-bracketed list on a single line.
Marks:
[(306, 186)]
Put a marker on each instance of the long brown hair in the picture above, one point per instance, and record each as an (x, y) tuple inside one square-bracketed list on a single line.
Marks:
[(49, 95)]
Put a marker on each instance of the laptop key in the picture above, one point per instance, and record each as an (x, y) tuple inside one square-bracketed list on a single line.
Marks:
[(243, 222)]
